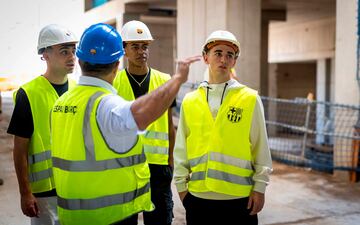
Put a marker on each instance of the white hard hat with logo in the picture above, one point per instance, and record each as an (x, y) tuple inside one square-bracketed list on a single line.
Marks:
[(222, 37), (54, 34), (135, 31)]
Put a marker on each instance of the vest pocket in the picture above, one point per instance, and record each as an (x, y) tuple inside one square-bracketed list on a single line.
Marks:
[(142, 171), (142, 201)]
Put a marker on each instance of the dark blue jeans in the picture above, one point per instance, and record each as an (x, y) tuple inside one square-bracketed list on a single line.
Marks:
[(161, 196)]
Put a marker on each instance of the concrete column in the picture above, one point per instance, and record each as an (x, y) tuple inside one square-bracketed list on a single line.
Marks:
[(346, 86), (320, 96), (272, 74), (244, 20), (196, 19), (266, 17), (264, 79), (345, 55)]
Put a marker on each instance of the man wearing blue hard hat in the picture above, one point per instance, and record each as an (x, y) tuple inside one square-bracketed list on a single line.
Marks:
[(100, 169)]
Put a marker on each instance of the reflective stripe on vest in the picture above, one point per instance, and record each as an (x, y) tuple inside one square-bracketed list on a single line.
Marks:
[(218, 157), (41, 175), (156, 138), (38, 158), (221, 175), (156, 135), (89, 204), (91, 165), (162, 136)]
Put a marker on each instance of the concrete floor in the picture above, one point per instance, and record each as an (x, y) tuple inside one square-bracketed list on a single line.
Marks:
[(295, 196)]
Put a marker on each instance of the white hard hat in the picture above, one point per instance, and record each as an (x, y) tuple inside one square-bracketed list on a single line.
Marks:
[(222, 36), (54, 34), (136, 31)]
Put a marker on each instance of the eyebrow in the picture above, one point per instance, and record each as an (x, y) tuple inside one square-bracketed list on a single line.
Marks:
[(231, 53), (139, 44), (66, 46)]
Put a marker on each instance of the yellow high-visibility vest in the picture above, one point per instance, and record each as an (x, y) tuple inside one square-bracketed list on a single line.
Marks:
[(42, 96), (219, 151), (156, 137), (95, 184)]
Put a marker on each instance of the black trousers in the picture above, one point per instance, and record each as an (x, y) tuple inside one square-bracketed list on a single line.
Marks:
[(223, 212), (132, 220), (161, 196)]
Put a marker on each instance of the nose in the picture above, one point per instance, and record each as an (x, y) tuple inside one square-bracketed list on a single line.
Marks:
[(72, 55), (223, 59), (141, 51)]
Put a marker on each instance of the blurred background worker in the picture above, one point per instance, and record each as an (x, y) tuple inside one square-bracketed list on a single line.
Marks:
[(222, 158), (31, 127), (100, 169), (158, 141)]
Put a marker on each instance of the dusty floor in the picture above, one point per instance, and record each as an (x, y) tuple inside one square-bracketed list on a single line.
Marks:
[(295, 196)]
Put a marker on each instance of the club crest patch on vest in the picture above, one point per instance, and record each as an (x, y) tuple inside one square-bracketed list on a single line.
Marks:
[(234, 114)]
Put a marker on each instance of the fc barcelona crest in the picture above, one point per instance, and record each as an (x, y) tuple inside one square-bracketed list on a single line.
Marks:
[(234, 114)]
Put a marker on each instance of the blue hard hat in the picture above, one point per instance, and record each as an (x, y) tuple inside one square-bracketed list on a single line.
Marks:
[(100, 44)]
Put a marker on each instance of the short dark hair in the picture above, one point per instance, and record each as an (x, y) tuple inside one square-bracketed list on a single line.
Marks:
[(42, 50), (96, 70)]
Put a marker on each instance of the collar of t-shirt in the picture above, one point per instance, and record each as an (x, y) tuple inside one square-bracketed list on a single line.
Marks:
[(61, 88), (93, 81)]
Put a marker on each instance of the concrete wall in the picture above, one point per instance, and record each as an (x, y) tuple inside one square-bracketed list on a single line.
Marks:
[(111, 12), (196, 19), (21, 21), (295, 80), (162, 49), (307, 34)]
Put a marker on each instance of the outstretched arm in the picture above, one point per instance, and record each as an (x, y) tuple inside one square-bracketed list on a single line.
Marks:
[(148, 108)]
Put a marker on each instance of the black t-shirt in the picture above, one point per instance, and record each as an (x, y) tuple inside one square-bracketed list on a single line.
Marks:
[(142, 89), (22, 125)]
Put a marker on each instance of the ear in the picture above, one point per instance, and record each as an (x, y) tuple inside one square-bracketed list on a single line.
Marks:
[(233, 65), (205, 57), (125, 50), (116, 67), (45, 56)]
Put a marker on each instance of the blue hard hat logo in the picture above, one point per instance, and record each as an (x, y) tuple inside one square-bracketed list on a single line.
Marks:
[(100, 44)]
